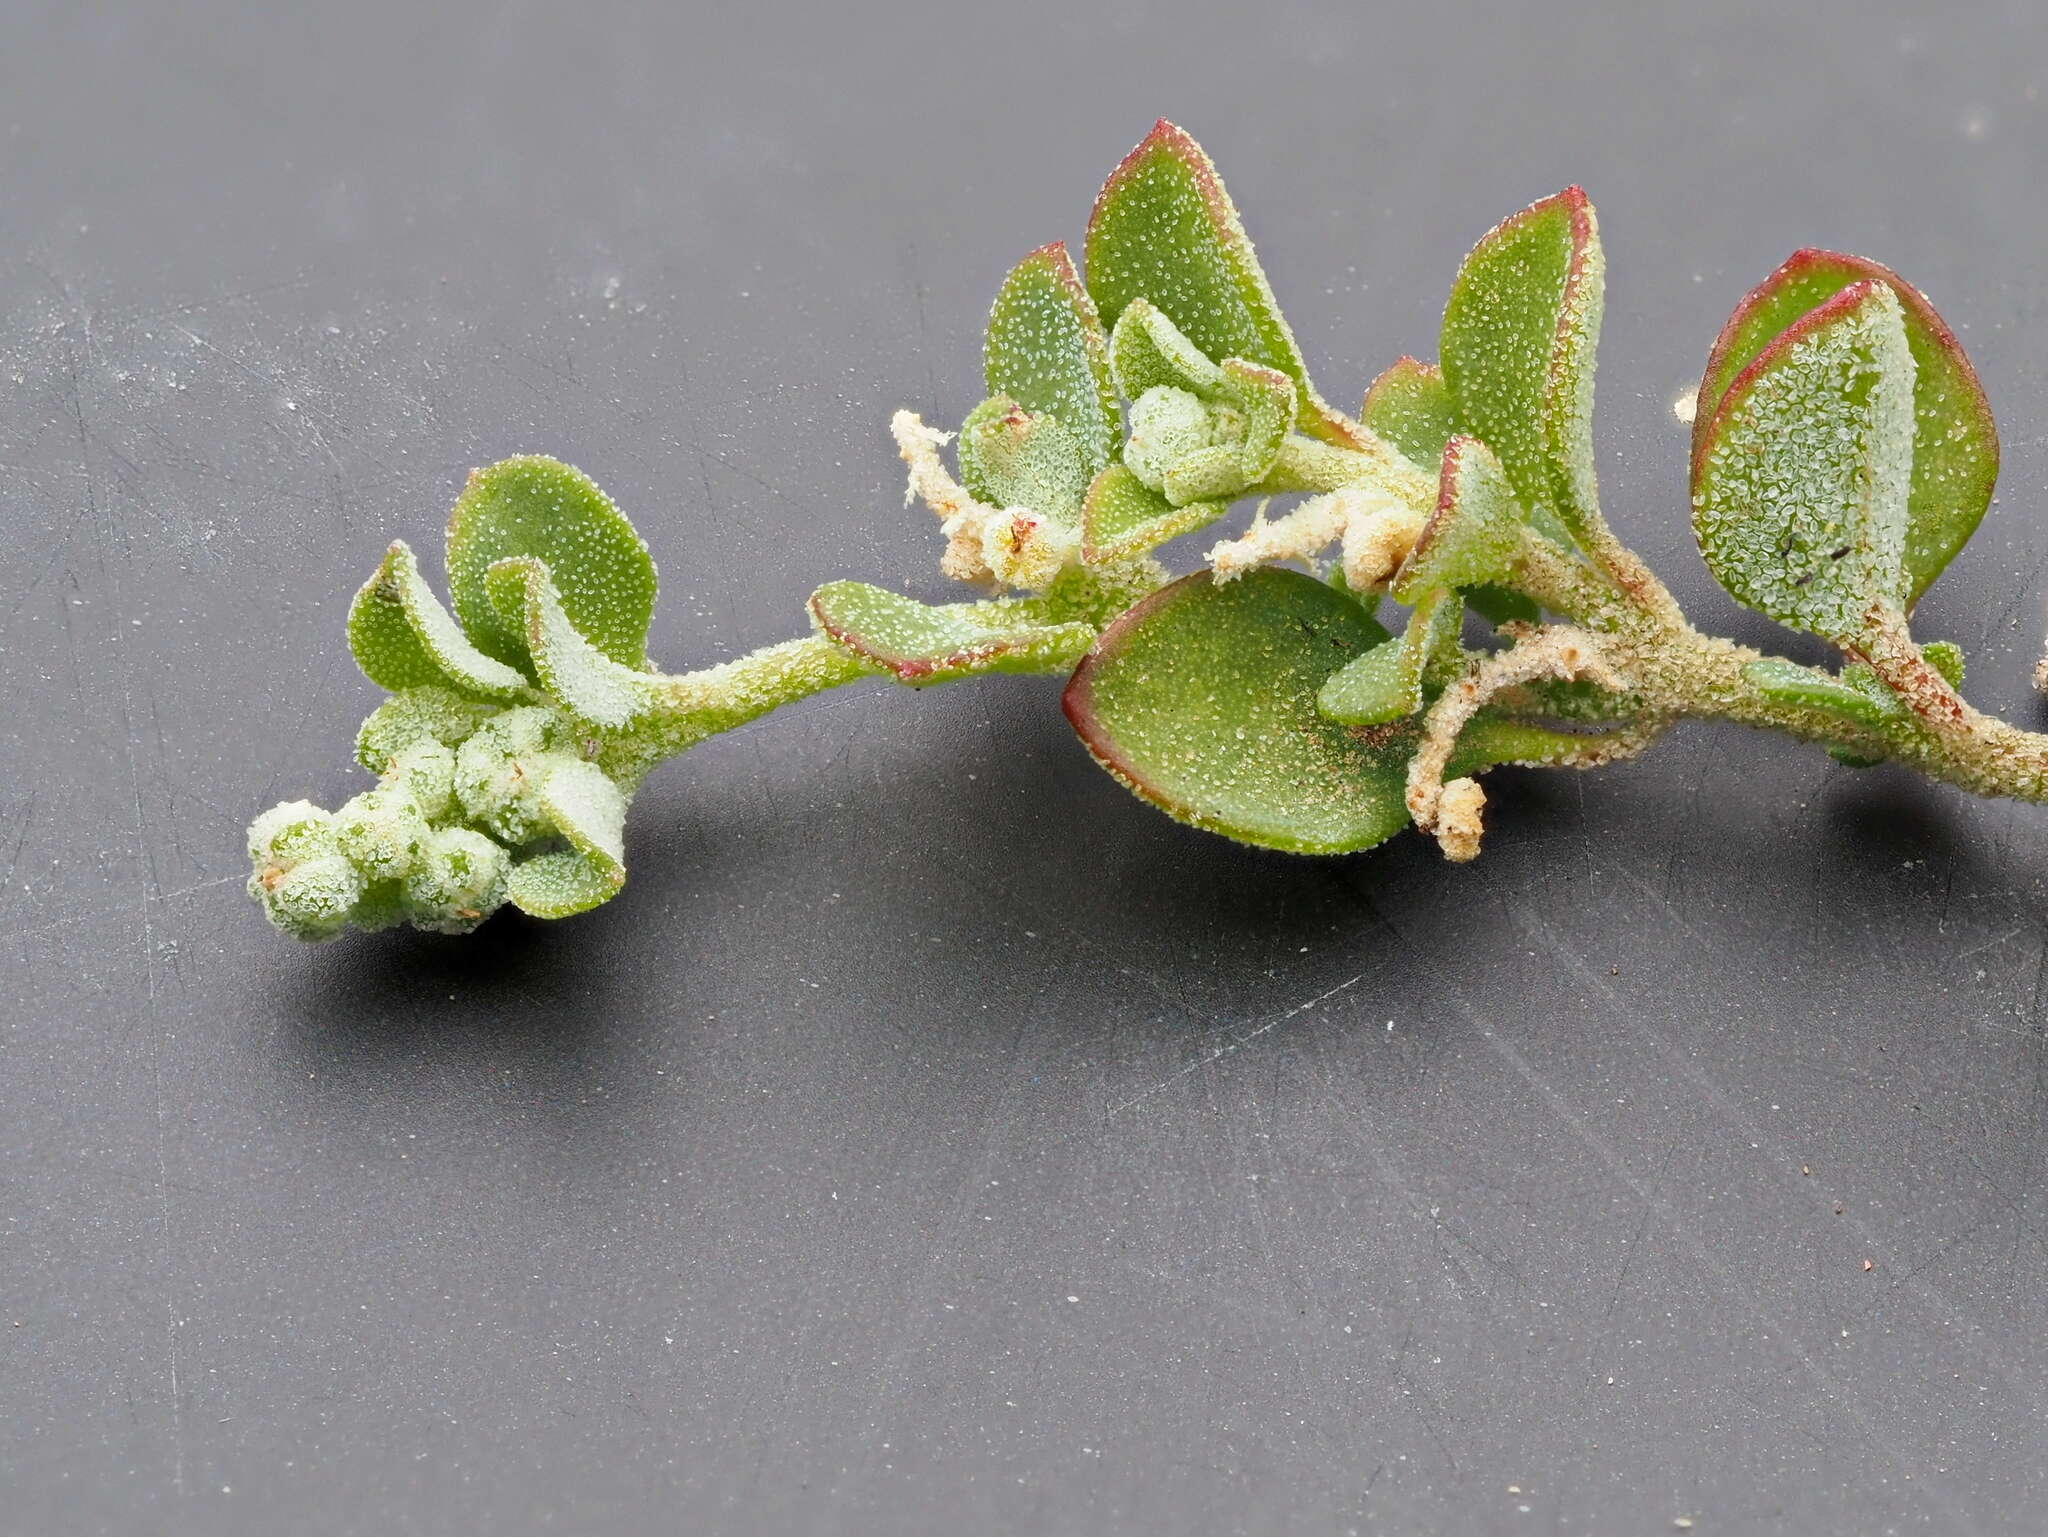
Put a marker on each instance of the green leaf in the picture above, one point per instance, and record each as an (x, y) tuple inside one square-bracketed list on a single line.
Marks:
[(1799, 499), (1789, 683), (1502, 605), (1410, 406), (1046, 350), (1396, 678), (1123, 518), (403, 638), (921, 644), (581, 678), (1266, 397), (1955, 440), (1202, 700), (1520, 333), (1148, 350), (1011, 458), (1164, 229), (562, 884), (1946, 658), (1474, 537), (537, 506), (590, 810)]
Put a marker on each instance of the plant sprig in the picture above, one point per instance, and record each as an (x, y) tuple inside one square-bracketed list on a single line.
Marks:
[(1843, 452)]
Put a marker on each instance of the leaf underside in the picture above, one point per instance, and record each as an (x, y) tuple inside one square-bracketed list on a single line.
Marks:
[(403, 638), (586, 682), (1955, 439), (1410, 406), (1202, 699), (1799, 502)]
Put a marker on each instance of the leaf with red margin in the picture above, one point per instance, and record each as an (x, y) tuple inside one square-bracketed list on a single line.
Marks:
[(1202, 700), (1520, 333), (1955, 439), (1164, 229), (1410, 406), (1799, 503), (919, 643), (1046, 349)]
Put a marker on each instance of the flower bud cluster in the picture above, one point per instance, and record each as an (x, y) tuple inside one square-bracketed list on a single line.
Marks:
[(459, 796)]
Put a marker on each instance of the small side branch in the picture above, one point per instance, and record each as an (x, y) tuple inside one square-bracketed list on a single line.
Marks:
[(1452, 811)]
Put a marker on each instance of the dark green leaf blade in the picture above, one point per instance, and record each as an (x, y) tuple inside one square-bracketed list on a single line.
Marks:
[(1046, 349), (1164, 229), (1799, 503), (1955, 438), (1202, 700), (1519, 338), (533, 505)]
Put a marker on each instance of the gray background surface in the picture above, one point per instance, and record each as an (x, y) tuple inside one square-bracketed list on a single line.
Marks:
[(933, 1139)]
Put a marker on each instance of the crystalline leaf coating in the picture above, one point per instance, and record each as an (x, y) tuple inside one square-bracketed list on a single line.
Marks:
[(1202, 700), (1800, 500), (1520, 334), (1047, 351), (1955, 439), (532, 505)]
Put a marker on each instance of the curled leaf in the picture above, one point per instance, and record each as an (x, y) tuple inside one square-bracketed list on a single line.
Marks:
[(403, 638), (1122, 517), (1474, 536), (1799, 498), (919, 643), (562, 884), (1202, 700), (1519, 337), (532, 505), (1046, 350), (1955, 439), (582, 679), (1147, 350), (1164, 229), (1010, 457), (1396, 678)]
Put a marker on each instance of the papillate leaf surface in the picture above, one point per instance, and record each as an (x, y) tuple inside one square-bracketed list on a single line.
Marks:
[(1799, 499), (1520, 333), (923, 643), (1122, 517), (1475, 534), (1047, 350), (1164, 229), (403, 638), (1202, 699), (533, 505), (1410, 406), (1955, 439), (586, 682)]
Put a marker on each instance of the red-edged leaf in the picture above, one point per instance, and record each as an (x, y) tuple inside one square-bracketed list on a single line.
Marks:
[(1955, 440), (1164, 229)]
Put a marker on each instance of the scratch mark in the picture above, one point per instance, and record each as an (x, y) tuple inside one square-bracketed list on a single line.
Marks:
[(1231, 1047)]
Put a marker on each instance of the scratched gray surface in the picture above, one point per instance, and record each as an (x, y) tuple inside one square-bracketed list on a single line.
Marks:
[(932, 1139)]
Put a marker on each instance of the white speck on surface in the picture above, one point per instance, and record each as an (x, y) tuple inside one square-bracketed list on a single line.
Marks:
[(1686, 406)]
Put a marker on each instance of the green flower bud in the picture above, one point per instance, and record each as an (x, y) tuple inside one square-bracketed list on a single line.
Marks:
[(290, 832), (417, 715), (426, 770), (499, 771), (458, 882), (312, 900), (381, 906), (381, 832)]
